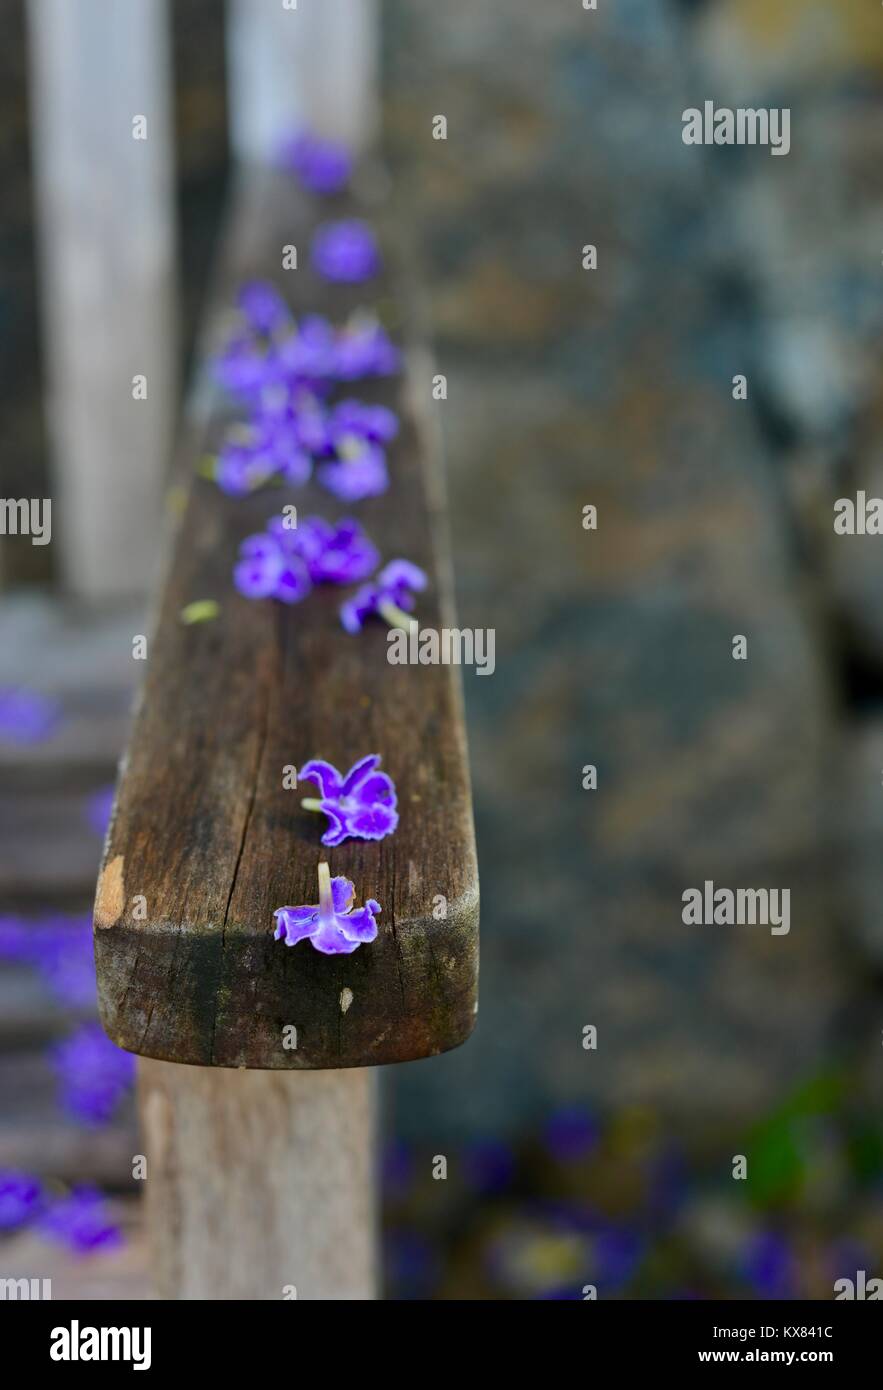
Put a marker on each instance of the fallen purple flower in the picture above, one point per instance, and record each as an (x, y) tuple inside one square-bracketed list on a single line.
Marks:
[(263, 308), (94, 1074), (365, 349), (345, 251), (21, 1199), (81, 1222), (376, 423), (335, 553), (98, 809), (284, 562), (359, 471), (333, 926), (389, 595), (26, 716), (253, 454), (322, 166), (60, 948), (360, 804)]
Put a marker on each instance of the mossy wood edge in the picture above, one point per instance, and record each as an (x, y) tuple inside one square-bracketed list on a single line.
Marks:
[(204, 834)]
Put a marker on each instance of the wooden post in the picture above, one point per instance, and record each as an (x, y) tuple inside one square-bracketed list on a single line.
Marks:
[(260, 1185), (314, 64), (106, 224), (206, 841)]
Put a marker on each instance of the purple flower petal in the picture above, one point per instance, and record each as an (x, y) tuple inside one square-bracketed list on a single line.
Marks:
[(358, 772), (359, 926), (342, 894), (373, 822), (345, 251), (26, 716), (360, 474), (81, 1222), (21, 1199), (322, 166), (327, 777)]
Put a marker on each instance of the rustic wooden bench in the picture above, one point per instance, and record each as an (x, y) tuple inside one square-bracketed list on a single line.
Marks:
[(260, 1176)]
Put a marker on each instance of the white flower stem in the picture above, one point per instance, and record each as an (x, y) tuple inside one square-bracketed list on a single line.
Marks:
[(395, 616), (311, 803), (326, 902)]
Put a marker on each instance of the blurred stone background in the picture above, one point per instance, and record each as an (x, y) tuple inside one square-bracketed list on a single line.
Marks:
[(715, 517), (614, 387)]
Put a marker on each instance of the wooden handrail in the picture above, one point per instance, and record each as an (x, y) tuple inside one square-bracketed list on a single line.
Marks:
[(206, 841)]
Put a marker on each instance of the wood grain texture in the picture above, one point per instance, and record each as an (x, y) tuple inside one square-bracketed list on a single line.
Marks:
[(259, 1183), (203, 828)]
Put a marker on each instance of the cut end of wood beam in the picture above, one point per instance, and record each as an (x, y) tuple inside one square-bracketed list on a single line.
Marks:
[(207, 840)]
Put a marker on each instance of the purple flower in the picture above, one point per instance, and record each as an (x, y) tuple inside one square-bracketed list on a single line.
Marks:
[(60, 949), (360, 804), (243, 366), (364, 348), (284, 562), (263, 308), (332, 925), (81, 1222), (571, 1133), (770, 1266), (270, 568), (307, 356), (98, 809), (64, 956), (252, 454), (345, 251), (323, 166), (335, 553), (21, 1199), (27, 716), (359, 471), (389, 595), (489, 1165), (376, 423), (94, 1074)]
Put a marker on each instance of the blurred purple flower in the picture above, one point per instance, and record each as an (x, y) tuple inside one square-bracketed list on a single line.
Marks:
[(332, 925), (359, 804), (263, 308), (60, 948), (243, 366), (94, 1074), (335, 552), (571, 1133), (359, 471), (285, 561), (488, 1165), (81, 1222), (21, 1199), (270, 568), (322, 166), (251, 455), (412, 1264), (98, 809), (345, 251), (770, 1267), (397, 1169), (389, 595), (364, 349), (376, 423), (307, 356), (26, 716)]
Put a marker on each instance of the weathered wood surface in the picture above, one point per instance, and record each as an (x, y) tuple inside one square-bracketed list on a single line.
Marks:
[(259, 1185), (203, 827), (315, 66)]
